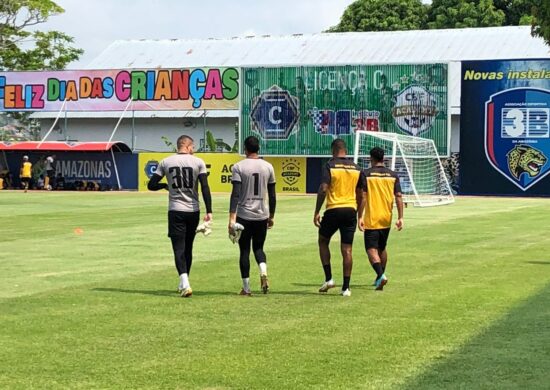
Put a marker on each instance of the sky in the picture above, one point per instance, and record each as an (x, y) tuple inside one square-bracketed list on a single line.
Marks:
[(94, 24)]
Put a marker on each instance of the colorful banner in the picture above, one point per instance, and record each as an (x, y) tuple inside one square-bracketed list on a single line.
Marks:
[(112, 90), (290, 173), (300, 110), (505, 127)]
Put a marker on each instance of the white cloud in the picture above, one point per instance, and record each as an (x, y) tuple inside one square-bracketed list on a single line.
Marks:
[(99, 22)]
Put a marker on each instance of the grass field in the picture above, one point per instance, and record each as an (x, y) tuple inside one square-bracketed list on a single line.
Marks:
[(467, 305)]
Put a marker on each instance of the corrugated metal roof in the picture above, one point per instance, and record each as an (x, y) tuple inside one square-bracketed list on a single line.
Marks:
[(423, 46), (327, 48)]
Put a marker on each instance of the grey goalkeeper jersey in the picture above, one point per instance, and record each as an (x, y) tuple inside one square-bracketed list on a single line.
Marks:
[(182, 172), (254, 175)]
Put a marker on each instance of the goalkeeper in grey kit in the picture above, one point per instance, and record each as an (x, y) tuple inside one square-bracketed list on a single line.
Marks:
[(252, 207), (183, 172)]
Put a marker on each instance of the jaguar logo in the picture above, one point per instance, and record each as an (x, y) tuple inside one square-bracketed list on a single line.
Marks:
[(525, 159)]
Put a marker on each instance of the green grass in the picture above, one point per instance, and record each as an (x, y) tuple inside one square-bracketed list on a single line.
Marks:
[(467, 305)]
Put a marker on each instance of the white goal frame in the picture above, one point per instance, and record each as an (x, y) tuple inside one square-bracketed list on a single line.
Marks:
[(412, 195)]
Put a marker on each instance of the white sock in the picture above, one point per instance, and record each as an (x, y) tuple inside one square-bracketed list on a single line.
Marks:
[(263, 268), (246, 284), (184, 281)]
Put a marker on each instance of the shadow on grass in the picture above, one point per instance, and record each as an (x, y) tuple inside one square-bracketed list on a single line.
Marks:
[(174, 294), (165, 293), (512, 353), (353, 286), (538, 262)]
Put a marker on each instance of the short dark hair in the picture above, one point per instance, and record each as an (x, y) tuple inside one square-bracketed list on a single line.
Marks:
[(182, 140), (377, 154), (337, 145), (252, 144)]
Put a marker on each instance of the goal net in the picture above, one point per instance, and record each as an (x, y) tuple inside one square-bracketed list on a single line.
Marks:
[(416, 161)]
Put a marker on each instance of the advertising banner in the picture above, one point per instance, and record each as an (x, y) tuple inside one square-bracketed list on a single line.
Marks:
[(112, 90), (290, 173), (505, 127), (83, 167), (300, 110)]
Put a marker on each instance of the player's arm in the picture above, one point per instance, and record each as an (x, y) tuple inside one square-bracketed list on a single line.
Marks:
[(206, 196), (272, 203), (233, 202), (360, 198), (399, 203), (155, 184), (321, 195)]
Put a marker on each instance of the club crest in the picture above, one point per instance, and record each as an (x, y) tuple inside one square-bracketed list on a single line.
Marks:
[(415, 110), (517, 134)]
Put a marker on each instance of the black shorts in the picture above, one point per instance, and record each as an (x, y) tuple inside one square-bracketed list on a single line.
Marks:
[(343, 219), (25, 180), (50, 173), (182, 223), (253, 230), (376, 238)]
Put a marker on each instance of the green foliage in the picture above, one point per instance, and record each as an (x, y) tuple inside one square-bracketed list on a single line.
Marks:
[(213, 144), (516, 12), (24, 48), (169, 144), (382, 15), (463, 14), (541, 20)]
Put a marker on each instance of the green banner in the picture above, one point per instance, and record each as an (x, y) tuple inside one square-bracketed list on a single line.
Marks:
[(300, 110)]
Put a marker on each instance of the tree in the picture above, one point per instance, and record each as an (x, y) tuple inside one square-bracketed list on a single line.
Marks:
[(541, 21), (382, 15), (516, 12), (463, 14), (24, 49)]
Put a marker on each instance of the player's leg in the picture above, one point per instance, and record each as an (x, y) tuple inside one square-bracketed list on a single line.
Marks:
[(347, 226), (383, 259), (383, 255), (244, 255), (192, 221), (326, 231), (177, 233), (375, 245), (258, 239)]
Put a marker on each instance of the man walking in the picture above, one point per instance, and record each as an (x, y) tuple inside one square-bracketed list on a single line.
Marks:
[(183, 172), (252, 206), (342, 185), (381, 189)]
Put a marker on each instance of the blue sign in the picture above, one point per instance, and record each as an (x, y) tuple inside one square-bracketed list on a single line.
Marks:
[(274, 114), (83, 167), (517, 134), (505, 128)]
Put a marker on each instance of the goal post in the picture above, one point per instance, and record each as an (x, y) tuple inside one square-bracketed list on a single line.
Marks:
[(416, 161)]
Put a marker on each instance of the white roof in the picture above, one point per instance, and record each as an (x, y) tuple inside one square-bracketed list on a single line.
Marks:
[(416, 46)]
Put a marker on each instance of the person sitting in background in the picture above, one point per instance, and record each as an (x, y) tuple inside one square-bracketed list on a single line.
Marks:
[(60, 182), (40, 183)]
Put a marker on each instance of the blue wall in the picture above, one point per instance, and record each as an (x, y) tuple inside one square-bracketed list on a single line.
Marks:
[(84, 166)]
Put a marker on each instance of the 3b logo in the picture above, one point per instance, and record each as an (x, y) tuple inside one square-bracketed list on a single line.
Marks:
[(517, 134)]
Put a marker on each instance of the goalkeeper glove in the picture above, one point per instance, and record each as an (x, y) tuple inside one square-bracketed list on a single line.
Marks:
[(205, 228), (235, 232)]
